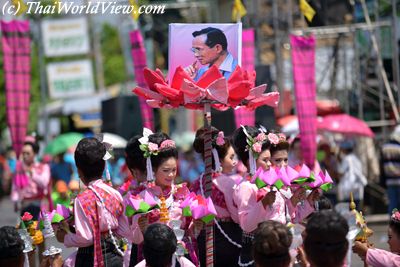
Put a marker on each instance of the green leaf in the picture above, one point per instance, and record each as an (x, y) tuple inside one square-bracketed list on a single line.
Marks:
[(129, 211), (143, 207), (41, 225), (326, 187), (260, 183), (279, 184), (143, 147), (208, 218), (186, 211), (57, 218)]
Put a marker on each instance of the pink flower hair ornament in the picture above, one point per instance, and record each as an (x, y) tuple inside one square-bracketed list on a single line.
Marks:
[(220, 141), (395, 216)]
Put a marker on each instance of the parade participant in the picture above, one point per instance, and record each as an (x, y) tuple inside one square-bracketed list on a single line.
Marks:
[(253, 147), (161, 168), (279, 158), (159, 246), (378, 257), (136, 164), (227, 233), (271, 245), (31, 181), (210, 47), (325, 242), (98, 211)]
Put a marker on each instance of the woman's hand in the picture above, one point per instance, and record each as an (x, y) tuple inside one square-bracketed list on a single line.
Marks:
[(298, 195), (360, 249), (269, 198), (60, 235), (314, 196), (143, 223)]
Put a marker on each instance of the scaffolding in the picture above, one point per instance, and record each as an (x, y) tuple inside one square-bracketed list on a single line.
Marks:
[(353, 75)]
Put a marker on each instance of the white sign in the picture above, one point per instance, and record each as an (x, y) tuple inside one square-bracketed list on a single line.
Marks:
[(70, 79), (65, 37)]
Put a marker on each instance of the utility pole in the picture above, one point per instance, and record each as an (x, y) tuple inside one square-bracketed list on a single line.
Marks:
[(395, 49), (43, 79)]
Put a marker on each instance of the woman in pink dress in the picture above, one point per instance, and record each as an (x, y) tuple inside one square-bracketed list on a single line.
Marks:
[(136, 164), (98, 211), (162, 157), (31, 181), (303, 206), (227, 232), (252, 145), (378, 257)]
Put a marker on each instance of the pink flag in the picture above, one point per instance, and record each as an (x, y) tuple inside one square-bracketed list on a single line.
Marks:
[(16, 44), (139, 61), (245, 116), (303, 59)]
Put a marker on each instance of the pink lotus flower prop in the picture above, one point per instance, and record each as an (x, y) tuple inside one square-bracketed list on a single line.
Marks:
[(58, 215), (198, 208), (305, 176), (212, 86), (265, 178), (323, 181), (136, 204)]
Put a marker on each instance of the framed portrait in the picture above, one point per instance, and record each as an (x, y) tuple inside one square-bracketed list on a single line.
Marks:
[(198, 45)]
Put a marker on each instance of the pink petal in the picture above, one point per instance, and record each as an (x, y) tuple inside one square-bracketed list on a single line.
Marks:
[(305, 171), (270, 99), (218, 90), (256, 92)]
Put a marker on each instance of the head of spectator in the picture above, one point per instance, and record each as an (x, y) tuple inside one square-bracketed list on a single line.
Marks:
[(325, 241), (159, 245), (11, 247), (271, 245)]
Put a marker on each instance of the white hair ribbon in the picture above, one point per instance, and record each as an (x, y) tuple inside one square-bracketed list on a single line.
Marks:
[(252, 162), (216, 160), (149, 170)]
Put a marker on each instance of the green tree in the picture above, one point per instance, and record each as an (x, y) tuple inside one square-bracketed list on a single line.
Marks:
[(113, 59)]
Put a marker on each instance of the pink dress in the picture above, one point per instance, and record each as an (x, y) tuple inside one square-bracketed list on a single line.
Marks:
[(251, 211), (84, 233), (33, 186), (382, 258), (173, 201), (222, 194), (173, 198)]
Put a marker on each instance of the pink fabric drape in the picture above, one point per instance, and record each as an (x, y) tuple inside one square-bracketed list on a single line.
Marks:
[(139, 61), (16, 44), (243, 116), (303, 60)]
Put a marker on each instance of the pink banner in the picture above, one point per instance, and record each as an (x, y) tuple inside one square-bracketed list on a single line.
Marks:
[(16, 44), (243, 116), (303, 59), (139, 61)]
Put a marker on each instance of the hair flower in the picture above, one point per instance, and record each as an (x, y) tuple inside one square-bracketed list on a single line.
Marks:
[(261, 137), (220, 138), (273, 138), (256, 147), (167, 144), (395, 216)]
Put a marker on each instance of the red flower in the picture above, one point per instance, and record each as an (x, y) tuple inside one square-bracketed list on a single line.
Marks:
[(27, 217)]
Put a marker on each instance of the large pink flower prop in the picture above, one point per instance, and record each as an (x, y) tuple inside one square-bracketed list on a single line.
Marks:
[(238, 90), (198, 207)]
